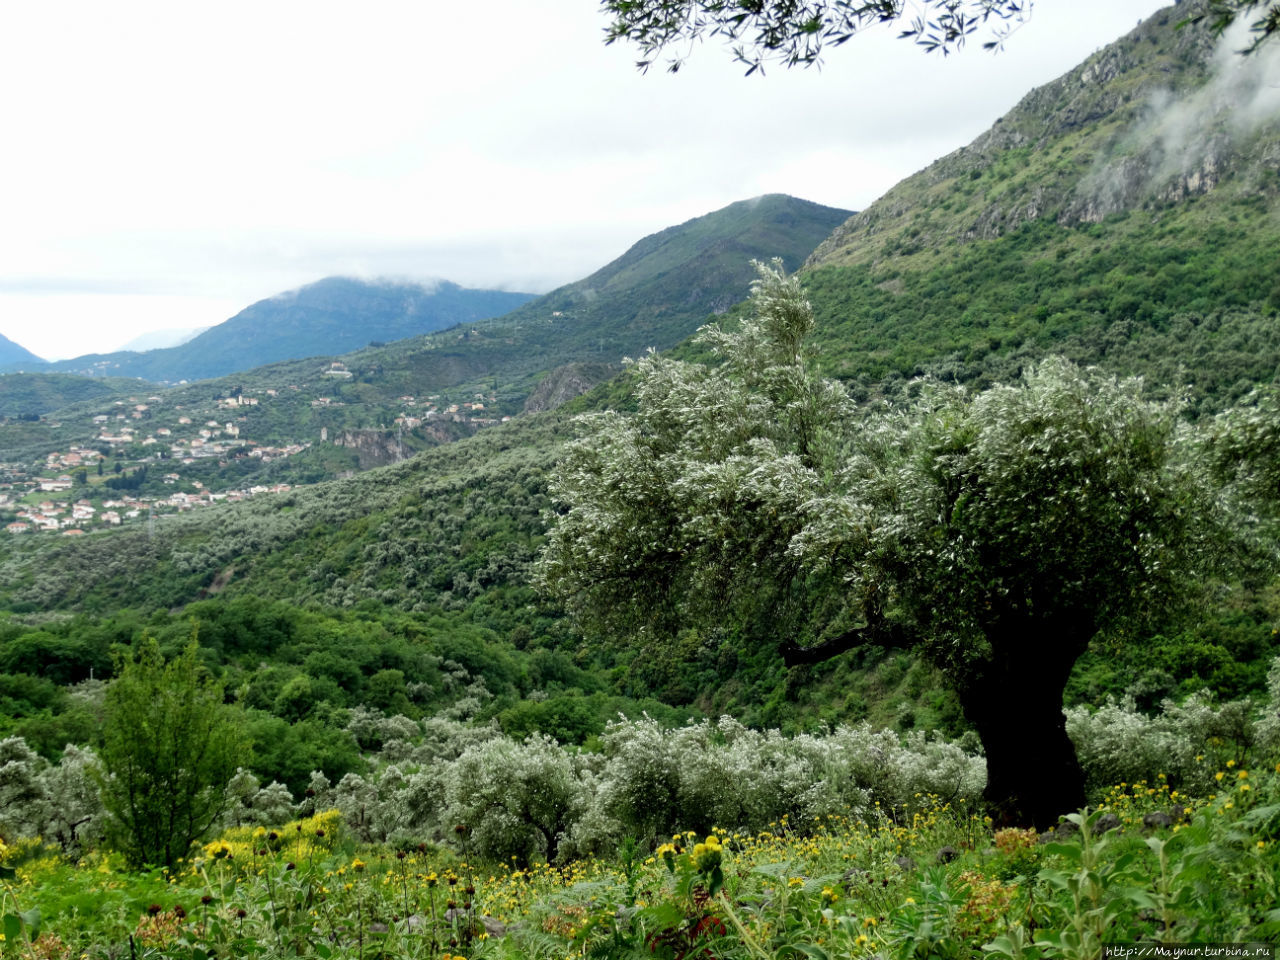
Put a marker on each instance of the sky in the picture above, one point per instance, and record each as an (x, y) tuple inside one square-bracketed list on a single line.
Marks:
[(164, 164)]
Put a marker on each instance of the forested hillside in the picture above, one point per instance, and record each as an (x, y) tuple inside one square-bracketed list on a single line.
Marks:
[(1117, 215)]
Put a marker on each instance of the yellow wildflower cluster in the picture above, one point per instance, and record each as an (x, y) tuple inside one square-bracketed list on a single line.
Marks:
[(708, 854), (1132, 801)]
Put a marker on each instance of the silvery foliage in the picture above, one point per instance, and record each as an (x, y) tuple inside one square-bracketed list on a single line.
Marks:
[(533, 799), (59, 802), (656, 781), (319, 795), (753, 490), (22, 799), (1068, 497), (1187, 742), (1243, 447), (74, 814), (517, 799), (372, 728), (1267, 730), (250, 803), (710, 475), (373, 808)]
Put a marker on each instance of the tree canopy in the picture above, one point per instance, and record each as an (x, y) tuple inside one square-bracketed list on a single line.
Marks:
[(796, 32), (169, 746), (998, 532)]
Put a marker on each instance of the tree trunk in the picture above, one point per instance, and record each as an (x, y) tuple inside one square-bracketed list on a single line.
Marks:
[(1015, 704)]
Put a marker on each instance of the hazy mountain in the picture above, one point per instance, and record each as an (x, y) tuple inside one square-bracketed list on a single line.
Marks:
[(656, 294), (159, 339), (13, 355), (329, 317)]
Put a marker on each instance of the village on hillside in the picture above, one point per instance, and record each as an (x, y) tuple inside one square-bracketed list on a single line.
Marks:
[(139, 463)]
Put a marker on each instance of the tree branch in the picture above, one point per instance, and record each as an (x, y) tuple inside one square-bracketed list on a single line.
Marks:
[(881, 634)]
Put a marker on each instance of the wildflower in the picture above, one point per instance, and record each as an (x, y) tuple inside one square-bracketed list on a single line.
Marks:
[(217, 850), (357, 865), (707, 855)]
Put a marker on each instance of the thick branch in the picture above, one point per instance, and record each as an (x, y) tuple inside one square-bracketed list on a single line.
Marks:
[(881, 634)]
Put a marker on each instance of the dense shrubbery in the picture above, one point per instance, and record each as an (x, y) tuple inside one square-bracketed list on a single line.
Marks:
[(533, 799), (915, 876)]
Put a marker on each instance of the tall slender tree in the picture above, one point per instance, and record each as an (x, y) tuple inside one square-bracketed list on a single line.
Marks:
[(169, 747)]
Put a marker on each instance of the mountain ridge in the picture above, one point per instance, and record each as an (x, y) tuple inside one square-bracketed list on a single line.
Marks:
[(330, 316)]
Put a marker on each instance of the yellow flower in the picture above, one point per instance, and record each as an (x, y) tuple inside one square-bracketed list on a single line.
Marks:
[(217, 850)]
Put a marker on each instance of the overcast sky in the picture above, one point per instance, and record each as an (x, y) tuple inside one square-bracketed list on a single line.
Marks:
[(166, 164)]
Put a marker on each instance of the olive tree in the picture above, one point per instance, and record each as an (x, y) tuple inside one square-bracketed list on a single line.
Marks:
[(794, 33), (999, 533)]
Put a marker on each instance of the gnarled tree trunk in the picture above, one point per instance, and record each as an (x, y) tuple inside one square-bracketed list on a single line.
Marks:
[(1015, 703)]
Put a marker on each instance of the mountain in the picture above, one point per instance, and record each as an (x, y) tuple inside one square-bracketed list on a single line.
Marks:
[(382, 403), (159, 339), (13, 355), (329, 317), (655, 295), (1118, 215)]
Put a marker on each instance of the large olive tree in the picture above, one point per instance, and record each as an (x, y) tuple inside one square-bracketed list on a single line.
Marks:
[(998, 532)]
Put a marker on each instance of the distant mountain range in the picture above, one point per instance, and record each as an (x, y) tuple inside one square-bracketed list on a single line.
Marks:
[(332, 316), (654, 295), (160, 339)]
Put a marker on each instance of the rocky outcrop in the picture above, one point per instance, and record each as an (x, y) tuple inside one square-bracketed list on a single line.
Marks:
[(564, 383), (1163, 115)]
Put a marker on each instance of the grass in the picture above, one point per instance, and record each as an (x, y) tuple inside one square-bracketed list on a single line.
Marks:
[(940, 882)]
